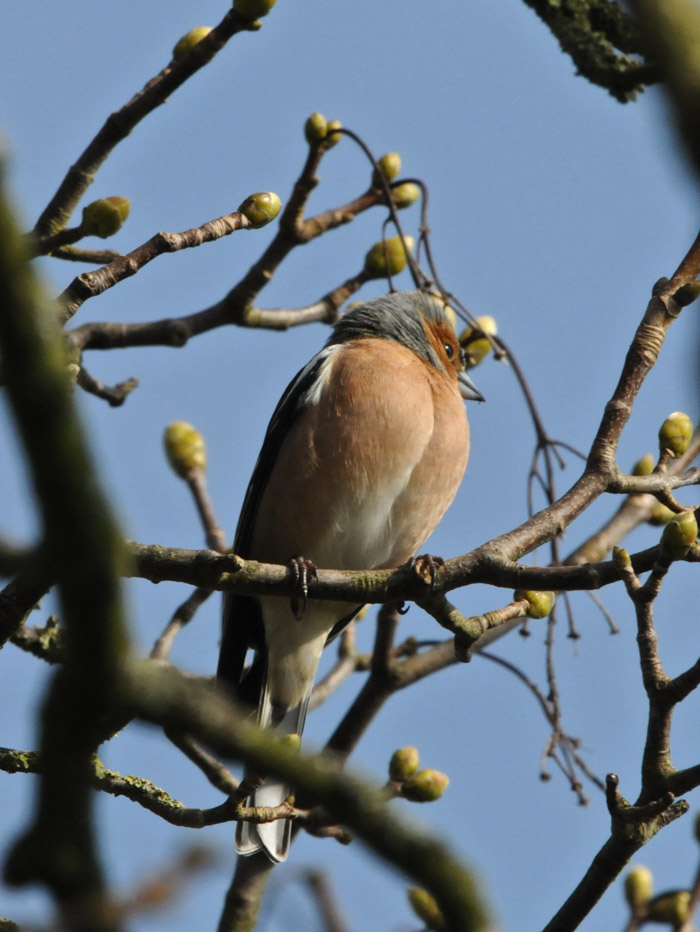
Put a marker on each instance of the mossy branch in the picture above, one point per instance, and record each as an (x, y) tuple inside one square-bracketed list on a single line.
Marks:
[(84, 550)]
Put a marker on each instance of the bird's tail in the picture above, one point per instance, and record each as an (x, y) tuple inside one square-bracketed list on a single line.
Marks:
[(272, 837)]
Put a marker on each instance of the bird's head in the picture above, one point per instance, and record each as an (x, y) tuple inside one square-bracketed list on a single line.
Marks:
[(416, 320)]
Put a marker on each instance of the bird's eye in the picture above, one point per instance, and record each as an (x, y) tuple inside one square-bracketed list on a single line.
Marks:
[(449, 349)]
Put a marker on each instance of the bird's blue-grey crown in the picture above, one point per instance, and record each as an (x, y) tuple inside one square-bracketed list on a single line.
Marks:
[(400, 316)]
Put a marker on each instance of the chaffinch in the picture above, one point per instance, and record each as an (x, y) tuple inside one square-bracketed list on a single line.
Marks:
[(363, 455)]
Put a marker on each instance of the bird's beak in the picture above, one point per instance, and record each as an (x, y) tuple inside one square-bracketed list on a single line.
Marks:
[(468, 389)]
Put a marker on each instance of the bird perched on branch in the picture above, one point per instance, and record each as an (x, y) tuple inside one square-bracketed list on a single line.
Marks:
[(362, 457)]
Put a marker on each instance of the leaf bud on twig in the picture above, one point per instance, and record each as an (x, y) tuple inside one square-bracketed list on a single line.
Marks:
[(679, 535), (315, 129), (425, 786), (185, 448), (189, 40), (425, 906), (670, 907), (676, 433), (660, 514), (540, 603), (389, 167), (387, 257), (253, 9), (403, 195), (639, 886), (644, 465), (261, 208), (475, 345), (403, 764), (105, 217), (332, 136)]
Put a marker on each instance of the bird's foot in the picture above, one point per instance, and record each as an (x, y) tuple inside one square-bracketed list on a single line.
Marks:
[(428, 568), (302, 571)]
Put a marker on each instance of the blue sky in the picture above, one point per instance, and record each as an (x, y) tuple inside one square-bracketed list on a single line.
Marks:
[(553, 208)]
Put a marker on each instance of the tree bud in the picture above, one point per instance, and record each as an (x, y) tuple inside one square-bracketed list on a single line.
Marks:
[(621, 557), (676, 433), (389, 167), (403, 764), (660, 514), (540, 603), (403, 195), (639, 886), (315, 129), (253, 9), (105, 217), (387, 257), (679, 535), (185, 448), (449, 313), (671, 907), (474, 343), (261, 208), (332, 136), (425, 906), (189, 40), (425, 786), (644, 466)]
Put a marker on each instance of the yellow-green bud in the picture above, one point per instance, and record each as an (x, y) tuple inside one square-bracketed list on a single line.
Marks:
[(185, 448), (621, 557), (425, 786), (403, 764), (676, 433), (403, 195), (292, 741), (449, 313), (389, 167), (474, 344), (639, 886), (679, 535), (425, 906), (671, 907), (189, 40), (105, 217), (315, 129), (660, 514), (260, 208), (540, 603), (387, 257), (332, 136), (253, 9), (644, 466)]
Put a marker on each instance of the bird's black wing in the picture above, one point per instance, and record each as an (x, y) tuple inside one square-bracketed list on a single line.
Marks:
[(242, 619)]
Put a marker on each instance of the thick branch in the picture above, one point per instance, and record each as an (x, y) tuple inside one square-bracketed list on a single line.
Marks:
[(163, 695), (59, 849)]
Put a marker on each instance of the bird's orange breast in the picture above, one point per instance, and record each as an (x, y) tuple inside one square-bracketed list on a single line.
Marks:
[(368, 470)]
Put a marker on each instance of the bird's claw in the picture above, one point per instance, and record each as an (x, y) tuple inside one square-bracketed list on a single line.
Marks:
[(427, 568), (302, 570)]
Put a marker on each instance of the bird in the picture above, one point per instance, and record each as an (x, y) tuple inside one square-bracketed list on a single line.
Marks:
[(362, 457)]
